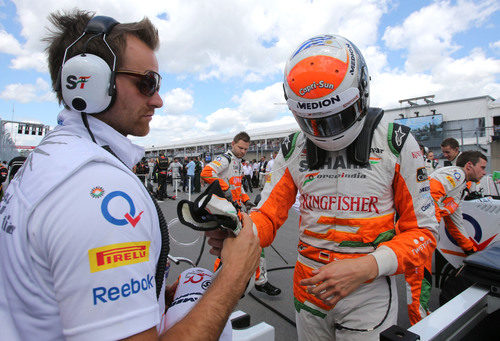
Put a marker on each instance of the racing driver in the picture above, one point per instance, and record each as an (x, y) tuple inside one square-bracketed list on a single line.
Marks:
[(354, 174)]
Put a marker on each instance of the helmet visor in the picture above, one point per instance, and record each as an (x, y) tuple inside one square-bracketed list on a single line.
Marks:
[(328, 126)]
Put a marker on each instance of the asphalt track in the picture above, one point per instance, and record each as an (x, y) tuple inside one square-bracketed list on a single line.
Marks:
[(286, 244)]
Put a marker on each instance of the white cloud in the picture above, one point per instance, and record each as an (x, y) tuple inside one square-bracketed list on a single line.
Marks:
[(427, 34), (177, 101), (495, 45), (9, 44), (261, 105), (25, 93)]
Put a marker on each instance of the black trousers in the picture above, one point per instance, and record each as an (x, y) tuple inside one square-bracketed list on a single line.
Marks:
[(162, 186)]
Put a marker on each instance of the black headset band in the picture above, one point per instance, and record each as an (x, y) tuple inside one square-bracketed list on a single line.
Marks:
[(100, 24)]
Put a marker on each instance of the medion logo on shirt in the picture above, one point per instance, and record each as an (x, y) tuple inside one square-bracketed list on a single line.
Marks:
[(115, 255)]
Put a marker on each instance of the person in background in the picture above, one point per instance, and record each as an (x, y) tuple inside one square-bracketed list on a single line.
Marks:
[(430, 163), (451, 150), (160, 170)]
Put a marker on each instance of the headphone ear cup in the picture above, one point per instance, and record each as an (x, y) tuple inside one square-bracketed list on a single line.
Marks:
[(85, 83)]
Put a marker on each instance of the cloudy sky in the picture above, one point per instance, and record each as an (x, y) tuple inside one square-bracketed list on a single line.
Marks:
[(222, 60)]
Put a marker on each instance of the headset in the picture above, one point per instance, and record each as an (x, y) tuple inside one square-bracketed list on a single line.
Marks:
[(85, 81)]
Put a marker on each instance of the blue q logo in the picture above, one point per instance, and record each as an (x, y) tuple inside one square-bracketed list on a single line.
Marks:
[(129, 217)]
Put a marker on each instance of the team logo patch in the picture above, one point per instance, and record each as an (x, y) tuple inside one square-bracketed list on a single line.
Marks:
[(112, 200), (375, 160), (97, 192), (310, 177), (422, 174), (116, 255)]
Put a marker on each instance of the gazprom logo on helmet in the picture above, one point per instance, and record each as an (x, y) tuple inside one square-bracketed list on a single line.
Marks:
[(319, 104)]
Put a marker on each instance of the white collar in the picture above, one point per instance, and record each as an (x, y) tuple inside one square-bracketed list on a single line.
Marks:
[(129, 153)]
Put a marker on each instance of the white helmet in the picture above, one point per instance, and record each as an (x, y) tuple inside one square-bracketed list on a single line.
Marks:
[(327, 89)]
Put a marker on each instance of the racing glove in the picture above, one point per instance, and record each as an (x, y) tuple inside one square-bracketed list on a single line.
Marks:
[(249, 205)]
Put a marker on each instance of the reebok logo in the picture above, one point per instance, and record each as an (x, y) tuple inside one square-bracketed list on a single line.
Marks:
[(104, 295)]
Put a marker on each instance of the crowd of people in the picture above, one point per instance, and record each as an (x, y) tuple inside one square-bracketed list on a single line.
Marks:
[(83, 245)]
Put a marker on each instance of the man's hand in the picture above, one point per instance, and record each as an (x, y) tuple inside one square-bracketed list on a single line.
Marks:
[(216, 240), (336, 280), (241, 254)]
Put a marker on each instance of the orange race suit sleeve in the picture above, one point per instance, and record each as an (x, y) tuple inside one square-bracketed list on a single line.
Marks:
[(448, 188)]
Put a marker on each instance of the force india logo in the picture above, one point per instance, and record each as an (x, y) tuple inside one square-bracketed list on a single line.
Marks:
[(115, 255), (310, 177)]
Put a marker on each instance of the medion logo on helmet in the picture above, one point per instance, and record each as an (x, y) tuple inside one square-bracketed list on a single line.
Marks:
[(318, 105), (73, 81)]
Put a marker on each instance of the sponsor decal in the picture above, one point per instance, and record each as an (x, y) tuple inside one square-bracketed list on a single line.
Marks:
[(196, 276), (205, 285), (97, 192), (425, 189), (310, 177), (340, 203), (189, 297), (103, 295), (129, 217), (417, 155), (319, 104), (423, 245), (316, 41), (478, 234), (400, 134), (335, 163), (314, 85), (353, 59), (376, 150), (422, 174), (217, 163), (218, 158), (116, 255), (426, 206), (375, 160), (73, 81), (7, 226), (350, 102), (451, 181), (456, 175)]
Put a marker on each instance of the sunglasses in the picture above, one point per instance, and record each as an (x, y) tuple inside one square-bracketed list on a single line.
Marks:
[(149, 81)]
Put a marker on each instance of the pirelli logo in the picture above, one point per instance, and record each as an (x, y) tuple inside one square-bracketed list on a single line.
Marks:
[(115, 255)]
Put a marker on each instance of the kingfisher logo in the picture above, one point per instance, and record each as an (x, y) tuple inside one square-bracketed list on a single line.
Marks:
[(115, 255), (129, 217), (73, 81), (310, 177)]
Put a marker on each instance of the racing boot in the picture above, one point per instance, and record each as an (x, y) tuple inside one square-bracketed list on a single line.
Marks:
[(268, 289)]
